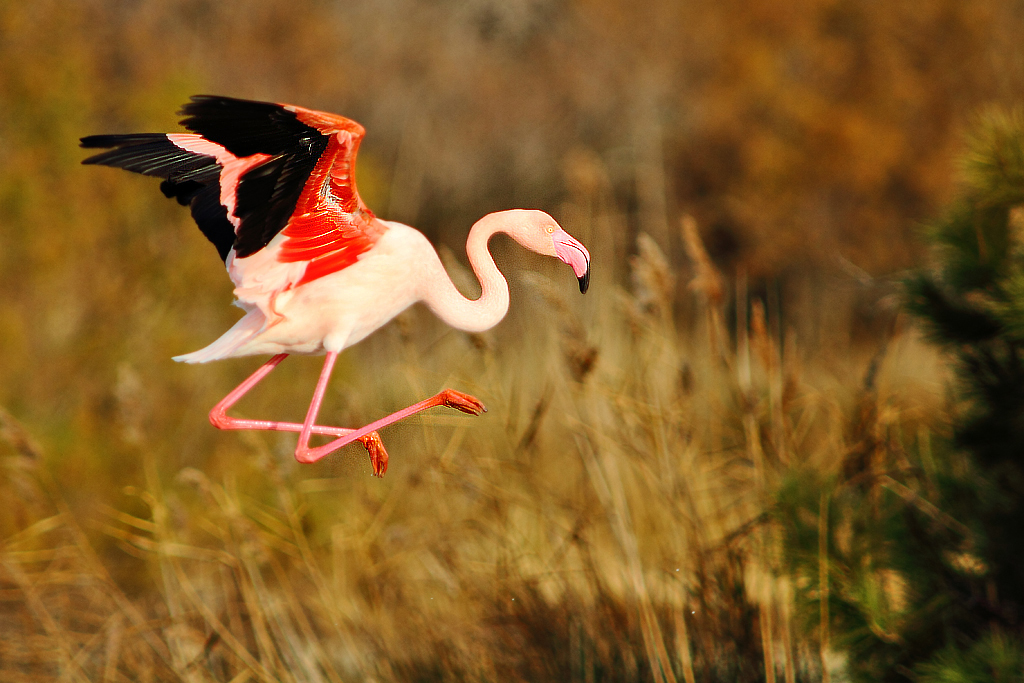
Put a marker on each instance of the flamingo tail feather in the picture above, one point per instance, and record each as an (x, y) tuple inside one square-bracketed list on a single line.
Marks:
[(251, 324)]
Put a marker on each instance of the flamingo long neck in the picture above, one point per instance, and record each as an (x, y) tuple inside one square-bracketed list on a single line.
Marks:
[(466, 314)]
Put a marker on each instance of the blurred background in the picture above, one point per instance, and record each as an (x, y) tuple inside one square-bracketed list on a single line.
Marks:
[(750, 177)]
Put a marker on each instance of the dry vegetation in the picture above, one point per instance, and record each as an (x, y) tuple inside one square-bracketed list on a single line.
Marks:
[(612, 518), (603, 522)]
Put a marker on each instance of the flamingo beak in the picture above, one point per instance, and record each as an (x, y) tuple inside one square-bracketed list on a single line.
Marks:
[(575, 254)]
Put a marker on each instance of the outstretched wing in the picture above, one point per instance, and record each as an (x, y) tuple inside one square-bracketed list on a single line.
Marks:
[(269, 180)]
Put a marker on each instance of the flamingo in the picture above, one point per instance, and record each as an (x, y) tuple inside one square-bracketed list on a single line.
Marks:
[(272, 186)]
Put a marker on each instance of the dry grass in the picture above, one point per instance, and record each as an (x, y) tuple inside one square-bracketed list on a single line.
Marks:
[(604, 521)]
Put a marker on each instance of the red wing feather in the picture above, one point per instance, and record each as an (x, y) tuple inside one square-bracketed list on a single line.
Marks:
[(331, 227)]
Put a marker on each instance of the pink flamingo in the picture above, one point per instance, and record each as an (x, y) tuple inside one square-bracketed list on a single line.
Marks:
[(273, 187)]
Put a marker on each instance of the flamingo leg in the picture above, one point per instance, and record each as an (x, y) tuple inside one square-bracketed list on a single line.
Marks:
[(305, 454), (366, 435), (221, 420)]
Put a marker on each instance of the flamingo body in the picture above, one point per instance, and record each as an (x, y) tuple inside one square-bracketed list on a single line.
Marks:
[(335, 311), (272, 186)]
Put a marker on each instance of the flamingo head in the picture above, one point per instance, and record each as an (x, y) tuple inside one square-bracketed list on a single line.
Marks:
[(541, 233)]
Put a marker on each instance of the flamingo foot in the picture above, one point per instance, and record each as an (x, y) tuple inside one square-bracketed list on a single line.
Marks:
[(378, 454), (464, 402)]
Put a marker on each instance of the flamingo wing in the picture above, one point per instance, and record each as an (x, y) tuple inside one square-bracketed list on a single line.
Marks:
[(271, 185)]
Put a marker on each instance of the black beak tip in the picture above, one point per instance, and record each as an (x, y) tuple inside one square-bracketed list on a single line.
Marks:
[(585, 281)]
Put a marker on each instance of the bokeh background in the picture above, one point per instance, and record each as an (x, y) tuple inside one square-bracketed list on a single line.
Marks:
[(750, 178)]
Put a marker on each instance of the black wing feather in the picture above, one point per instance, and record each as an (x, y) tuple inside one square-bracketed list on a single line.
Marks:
[(207, 211), (245, 127), (150, 154), (193, 179)]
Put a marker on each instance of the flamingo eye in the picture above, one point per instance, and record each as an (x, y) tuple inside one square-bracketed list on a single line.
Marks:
[(551, 230)]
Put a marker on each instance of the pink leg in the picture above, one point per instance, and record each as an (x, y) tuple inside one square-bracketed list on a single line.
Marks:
[(221, 420), (305, 454), (366, 435)]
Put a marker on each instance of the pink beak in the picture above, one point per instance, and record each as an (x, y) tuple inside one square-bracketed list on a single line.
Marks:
[(575, 254)]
